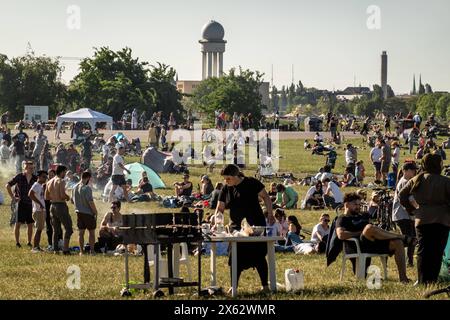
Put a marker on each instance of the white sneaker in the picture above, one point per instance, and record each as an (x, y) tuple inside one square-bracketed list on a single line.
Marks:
[(36, 250)]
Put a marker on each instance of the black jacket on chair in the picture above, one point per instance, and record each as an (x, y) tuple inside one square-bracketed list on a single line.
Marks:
[(334, 244)]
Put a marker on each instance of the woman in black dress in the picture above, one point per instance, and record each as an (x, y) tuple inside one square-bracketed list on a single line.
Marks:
[(241, 196)]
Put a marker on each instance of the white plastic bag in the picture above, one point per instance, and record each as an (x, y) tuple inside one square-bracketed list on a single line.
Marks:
[(294, 280)]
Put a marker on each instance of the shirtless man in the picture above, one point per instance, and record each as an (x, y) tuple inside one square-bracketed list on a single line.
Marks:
[(56, 193)]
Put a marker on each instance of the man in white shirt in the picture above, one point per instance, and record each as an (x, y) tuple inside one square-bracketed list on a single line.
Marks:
[(351, 157), (399, 214), (36, 194), (134, 119), (417, 119), (118, 177), (5, 152), (395, 157), (375, 157), (106, 150), (336, 198), (318, 137)]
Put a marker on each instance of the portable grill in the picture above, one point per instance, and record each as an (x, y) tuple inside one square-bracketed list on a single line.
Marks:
[(161, 229)]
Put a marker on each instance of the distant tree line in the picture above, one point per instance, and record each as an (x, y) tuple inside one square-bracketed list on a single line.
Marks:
[(314, 101), (109, 82)]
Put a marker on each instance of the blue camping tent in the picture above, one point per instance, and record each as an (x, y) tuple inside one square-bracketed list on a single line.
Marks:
[(119, 136), (137, 168)]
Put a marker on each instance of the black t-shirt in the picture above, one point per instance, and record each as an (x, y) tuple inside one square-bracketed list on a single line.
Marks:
[(214, 199), (353, 223), (8, 138), (243, 202), (147, 187), (21, 136), (318, 194), (20, 147)]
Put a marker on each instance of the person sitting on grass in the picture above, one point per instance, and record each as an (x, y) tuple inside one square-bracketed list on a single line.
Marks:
[(215, 195), (332, 195), (360, 172), (109, 234), (206, 187), (349, 179), (273, 192), (292, 237), (144, 192), (319, 234), (281, 222), (318, 138), (183, 188), (143, 175), (314, 196), (306, 145), (372, 239), (287, 198)]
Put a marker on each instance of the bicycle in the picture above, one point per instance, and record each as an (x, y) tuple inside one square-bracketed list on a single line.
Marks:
[(384, 210)]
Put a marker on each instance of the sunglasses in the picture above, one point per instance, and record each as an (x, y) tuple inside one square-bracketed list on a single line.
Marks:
[(326, 220), (113, 207)]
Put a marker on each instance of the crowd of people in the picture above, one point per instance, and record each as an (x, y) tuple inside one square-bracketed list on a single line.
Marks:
[(46, 181)]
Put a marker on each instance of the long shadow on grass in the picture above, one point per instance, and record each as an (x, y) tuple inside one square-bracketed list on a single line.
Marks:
[(330, 291)]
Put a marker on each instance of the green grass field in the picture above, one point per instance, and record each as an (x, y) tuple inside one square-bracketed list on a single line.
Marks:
[(24, 275)]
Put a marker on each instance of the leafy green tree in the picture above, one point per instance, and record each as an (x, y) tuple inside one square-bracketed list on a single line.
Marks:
[(233, 92), (412, 104), (324, 105), (394, 105), (443, 107), (426, 104), (30, 80), (113, 81), (342, 108), (366, 107), (168, 98)]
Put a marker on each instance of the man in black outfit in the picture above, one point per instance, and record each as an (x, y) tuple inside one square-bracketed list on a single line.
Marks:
[(372, 238), (24, 181), (241, 195)]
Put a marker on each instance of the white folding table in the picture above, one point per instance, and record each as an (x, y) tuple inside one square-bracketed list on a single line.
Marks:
[(233, 241)]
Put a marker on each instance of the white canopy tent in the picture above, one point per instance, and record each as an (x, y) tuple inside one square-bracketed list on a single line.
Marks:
[(84, 115)]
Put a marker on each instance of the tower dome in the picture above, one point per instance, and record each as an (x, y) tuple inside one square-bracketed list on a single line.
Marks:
[(213, 31)]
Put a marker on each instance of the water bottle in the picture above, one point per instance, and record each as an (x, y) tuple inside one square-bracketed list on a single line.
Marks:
[(219, 222)]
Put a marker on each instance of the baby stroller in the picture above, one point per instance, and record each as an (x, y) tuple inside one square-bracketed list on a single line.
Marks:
[(265, 170)]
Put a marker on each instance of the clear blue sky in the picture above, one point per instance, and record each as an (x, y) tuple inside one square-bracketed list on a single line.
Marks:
[(327, 40)]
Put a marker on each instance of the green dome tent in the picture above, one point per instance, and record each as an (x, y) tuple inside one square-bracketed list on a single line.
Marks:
[(136, 175)]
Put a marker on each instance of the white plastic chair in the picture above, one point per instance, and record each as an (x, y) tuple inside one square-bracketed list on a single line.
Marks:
[(361, 260), (184, 259), (163, 270), (162, 262)]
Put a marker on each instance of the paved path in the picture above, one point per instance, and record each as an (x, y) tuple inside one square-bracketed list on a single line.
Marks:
[(143, 135)]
